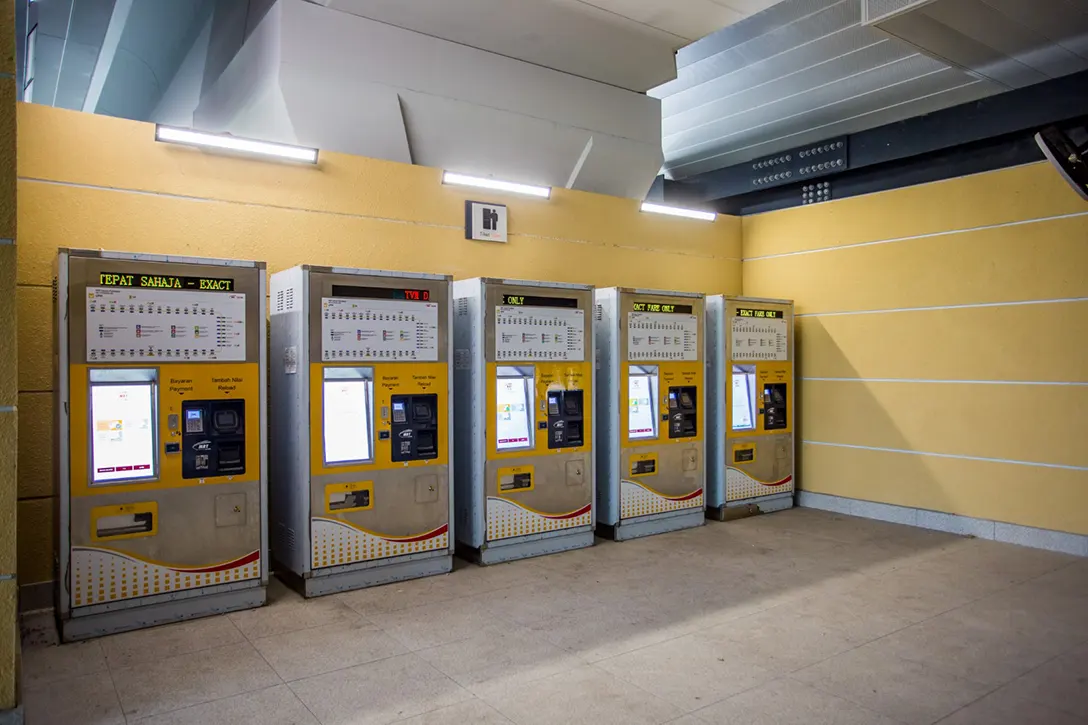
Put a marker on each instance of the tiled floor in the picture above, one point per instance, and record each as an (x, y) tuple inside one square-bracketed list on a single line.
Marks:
[(796, 617)]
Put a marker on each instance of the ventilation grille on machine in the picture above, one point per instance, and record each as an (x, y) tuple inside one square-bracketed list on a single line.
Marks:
[(598, 312), (462, 307), (285, 300), (55, 291)]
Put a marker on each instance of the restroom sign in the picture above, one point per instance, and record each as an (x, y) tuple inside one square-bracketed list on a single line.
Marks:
[(485, 222)]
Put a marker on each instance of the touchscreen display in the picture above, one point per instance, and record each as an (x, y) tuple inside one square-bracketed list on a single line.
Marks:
[(513, 427), (743, 399), (641, 411), (347, 420), (123, 443)]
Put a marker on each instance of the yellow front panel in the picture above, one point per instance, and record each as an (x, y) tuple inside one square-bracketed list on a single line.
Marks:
[(389, 379), (669, 374), (177, 383), (766, 372), (549, 376)]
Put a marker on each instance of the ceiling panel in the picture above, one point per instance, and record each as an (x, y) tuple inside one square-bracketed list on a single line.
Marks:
[(801, 71)]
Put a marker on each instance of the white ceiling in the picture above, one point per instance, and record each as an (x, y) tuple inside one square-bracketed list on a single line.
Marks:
[(625, 43)]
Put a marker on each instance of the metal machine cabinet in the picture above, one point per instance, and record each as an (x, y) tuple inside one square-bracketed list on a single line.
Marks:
[(751, 378), (651, 402), (524, 418), (362, 443), (160, 439)]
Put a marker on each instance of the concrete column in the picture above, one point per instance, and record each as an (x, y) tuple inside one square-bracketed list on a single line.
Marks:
[(8, 386)]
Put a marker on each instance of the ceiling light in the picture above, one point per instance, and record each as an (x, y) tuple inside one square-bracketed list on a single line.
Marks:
[(449, 177), (201, 139), (707, 216)]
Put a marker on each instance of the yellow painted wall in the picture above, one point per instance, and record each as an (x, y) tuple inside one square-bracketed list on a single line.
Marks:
[(93, 181), (8, 360), (942, 336)]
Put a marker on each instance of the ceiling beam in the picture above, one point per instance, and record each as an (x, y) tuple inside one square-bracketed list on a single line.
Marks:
[(106, 54)]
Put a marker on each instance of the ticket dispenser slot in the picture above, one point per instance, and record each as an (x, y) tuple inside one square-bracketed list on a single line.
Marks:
[(565, 419), (213, 440), (124, 525), (414, 427), (774, 406), (683, 413)]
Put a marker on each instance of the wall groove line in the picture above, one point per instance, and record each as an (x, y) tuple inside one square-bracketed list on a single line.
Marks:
[(368, 217), (947, 455), (925, 381), (965, 306), (928, 235)]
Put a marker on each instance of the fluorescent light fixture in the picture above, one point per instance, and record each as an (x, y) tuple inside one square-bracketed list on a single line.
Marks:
[(706, 216), (448, 177), (201, 139)]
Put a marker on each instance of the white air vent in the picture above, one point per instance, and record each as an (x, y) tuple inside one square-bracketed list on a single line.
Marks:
[(462, 307), (598, 312), (284, 301)]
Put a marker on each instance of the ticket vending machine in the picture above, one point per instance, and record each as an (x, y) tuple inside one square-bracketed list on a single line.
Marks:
[(160, 446), (361, 437), (750, 374), (524, 410), (652, 411)]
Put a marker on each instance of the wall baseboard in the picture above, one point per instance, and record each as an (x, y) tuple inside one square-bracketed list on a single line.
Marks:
[(1059, 541), (33, 597)]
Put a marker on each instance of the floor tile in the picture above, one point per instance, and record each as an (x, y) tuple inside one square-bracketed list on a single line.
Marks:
[(605, 631), (788, 702), (44, 666), (190, 679), (273, 706), (527, 604), (781, 641), (961, 645), (88, 700), (392, 597), (689, 672), (157, 643), (431, 625), (318, 650), (1061, 683), (379, 692), (470, 712), (1004, 708), (901, 689), (288, 611), (495, 660), (583, 695)]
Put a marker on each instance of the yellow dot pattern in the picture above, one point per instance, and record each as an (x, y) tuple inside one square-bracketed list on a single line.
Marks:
[(740, 486), (101, 575), (334, 543), (506, 519), (636, 500)]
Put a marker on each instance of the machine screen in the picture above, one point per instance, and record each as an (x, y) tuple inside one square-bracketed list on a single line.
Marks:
[(123, 446), (514, 410), (642, 403), (743, 392), (347, 420)]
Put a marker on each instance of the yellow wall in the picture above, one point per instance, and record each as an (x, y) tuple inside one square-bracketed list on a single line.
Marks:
[(947, 322), (8, 384), (78, 178)]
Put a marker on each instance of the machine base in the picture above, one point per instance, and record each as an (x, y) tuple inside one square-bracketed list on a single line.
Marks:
[(150, 615), (750, 507), (524, 547), (650, 525), (346, 579)]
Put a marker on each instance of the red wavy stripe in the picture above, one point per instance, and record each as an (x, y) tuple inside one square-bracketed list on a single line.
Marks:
[(247, 559), (573, 514), (693, 494), (423, 537), (784, 481)]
